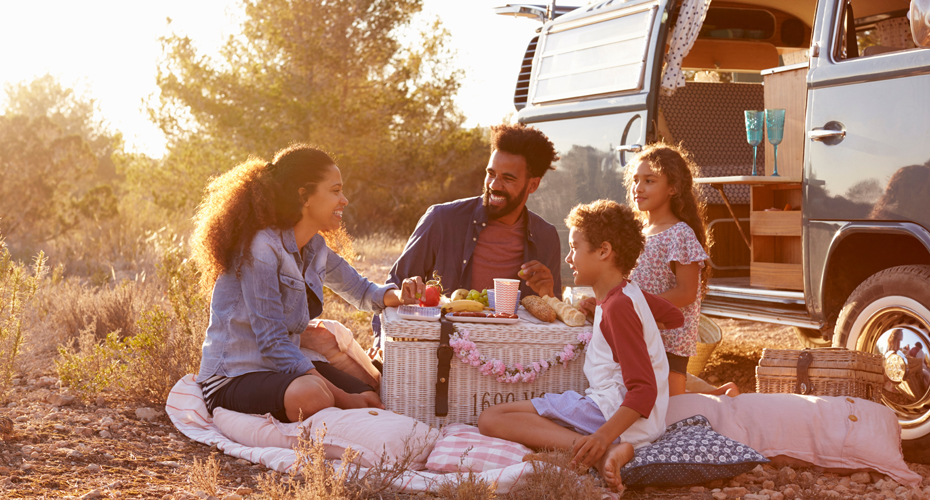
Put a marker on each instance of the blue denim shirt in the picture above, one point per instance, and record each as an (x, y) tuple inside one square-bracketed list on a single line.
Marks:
[(445, 239), (256, 320)]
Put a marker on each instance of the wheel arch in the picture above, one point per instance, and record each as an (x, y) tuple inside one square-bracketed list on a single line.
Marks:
[(859, 250)]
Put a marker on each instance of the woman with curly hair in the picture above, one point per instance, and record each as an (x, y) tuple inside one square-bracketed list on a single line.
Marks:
[(261, 244)]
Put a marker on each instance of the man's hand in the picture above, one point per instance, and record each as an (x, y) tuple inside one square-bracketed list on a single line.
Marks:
[(538, 277), (588, 450)]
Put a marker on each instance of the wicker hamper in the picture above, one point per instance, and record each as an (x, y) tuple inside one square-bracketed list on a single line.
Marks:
[(829, 372), (709, 335), (408, 385)]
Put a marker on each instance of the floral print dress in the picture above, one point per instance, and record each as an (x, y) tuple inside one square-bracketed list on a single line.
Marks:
[(653, 274)]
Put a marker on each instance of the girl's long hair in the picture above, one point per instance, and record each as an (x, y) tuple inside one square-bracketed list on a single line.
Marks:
[(679, 168), (252, 196)]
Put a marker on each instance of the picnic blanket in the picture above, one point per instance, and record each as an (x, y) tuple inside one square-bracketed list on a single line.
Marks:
[(186, 409)]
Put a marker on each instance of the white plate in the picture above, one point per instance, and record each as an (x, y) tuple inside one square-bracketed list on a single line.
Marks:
[(418, 313), (473, 319)]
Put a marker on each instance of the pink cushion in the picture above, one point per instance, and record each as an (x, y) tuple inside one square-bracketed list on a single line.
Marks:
[(817, 430), (463, 449), (368, 431)]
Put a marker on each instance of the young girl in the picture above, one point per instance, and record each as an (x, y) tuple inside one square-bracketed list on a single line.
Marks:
[(660, 183)]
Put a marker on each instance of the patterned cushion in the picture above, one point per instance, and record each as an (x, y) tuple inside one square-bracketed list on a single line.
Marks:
[(689, 452), (708, 119), (463, 449)]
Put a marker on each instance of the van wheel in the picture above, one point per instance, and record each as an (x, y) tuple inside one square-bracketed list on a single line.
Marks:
[(886, 313), (810, 338)]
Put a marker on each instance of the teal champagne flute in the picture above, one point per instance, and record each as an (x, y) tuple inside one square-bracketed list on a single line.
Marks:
[(775, 123), (754, 123)]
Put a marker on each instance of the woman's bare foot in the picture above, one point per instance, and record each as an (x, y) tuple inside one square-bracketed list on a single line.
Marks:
[(616, 456)]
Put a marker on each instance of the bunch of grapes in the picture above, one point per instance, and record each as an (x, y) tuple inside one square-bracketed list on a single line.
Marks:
[(477, 296)]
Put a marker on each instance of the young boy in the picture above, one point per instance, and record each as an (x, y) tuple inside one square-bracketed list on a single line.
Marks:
[(625, 363)]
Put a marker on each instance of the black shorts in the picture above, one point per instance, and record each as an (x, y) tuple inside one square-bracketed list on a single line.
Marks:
[(263, 392), (677, 364)]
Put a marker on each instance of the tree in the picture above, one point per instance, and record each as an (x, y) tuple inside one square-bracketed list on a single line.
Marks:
[(74, 112), (332, 73), (42, 167)]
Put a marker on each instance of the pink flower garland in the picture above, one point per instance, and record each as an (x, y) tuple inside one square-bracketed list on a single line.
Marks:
[(467, 351)]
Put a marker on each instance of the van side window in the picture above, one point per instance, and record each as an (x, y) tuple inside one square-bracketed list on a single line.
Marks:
[(865, 31), (845, 45)]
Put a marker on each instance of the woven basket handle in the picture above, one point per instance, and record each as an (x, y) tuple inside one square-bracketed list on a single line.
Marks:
[(444, 353), (803, 382)]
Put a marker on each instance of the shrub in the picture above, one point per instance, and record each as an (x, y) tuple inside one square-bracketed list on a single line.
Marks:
[(165, 346), (74, 307), (91, 367), (18, 286)]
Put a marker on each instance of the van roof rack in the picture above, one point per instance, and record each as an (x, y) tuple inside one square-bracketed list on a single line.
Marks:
[(532, 11)]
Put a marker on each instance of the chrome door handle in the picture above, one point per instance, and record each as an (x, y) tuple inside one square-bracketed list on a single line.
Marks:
[(831, 133), (629, 148)]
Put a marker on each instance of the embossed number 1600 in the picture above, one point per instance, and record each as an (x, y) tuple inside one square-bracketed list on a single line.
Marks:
[(488, 400)]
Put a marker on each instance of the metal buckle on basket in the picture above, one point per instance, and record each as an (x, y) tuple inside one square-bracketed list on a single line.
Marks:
[(803, 383)]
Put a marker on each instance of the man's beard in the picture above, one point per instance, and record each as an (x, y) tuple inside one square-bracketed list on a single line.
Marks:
[(509, 207)]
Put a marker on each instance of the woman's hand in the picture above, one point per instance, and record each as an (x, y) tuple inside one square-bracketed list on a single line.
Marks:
[(411, 289)]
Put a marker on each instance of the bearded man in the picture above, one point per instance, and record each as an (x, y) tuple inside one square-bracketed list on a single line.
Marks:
[(470, 242)]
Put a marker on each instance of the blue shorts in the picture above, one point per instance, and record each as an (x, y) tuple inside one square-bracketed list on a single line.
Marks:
[(571, 410)]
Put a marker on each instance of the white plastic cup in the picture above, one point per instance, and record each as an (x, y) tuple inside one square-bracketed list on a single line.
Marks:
[(505, 295)]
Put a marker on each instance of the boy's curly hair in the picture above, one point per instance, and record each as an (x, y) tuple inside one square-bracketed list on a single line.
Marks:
[(606, 220), (528, 142)]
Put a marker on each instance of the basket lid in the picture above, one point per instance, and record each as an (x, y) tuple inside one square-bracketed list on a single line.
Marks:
[(827, 357)]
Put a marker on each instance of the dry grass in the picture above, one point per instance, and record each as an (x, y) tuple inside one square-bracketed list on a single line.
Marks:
[(204, 475), (73, 306), (552, 478)]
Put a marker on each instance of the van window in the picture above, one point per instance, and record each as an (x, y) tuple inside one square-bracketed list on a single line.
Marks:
[(607, 56), (866, 29), (738, 23)]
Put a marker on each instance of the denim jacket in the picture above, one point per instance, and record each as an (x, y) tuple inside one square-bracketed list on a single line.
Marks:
[(256, 320)]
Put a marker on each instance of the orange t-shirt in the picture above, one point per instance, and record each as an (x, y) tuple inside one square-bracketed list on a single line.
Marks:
[(498, 253)]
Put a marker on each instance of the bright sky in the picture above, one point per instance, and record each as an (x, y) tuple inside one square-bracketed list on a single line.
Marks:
[(110, 48)]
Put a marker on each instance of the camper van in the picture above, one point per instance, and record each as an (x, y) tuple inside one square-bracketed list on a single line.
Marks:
[(837, 244)]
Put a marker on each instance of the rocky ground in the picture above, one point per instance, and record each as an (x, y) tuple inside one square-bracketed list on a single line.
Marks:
[(62, 448)]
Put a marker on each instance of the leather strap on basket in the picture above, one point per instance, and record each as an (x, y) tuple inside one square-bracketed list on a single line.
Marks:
[(444, 353), (803, 382)]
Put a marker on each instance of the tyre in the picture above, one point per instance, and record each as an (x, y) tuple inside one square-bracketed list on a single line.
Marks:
[(810, 338), (888, 312)]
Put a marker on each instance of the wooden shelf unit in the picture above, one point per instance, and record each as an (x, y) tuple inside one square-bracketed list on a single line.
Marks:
[(776, 237)]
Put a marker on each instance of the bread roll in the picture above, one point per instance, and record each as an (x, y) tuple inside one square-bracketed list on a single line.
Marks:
[(569, 315), (537, 306)]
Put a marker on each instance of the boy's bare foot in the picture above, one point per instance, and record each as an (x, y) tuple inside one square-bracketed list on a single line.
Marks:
[(616, 456)]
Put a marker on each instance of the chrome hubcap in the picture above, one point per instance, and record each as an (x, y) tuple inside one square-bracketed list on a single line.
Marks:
[(901, 337)]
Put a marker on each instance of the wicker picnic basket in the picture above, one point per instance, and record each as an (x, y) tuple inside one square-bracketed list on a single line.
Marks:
[(408, 384), (709, 335), (829, 372)]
